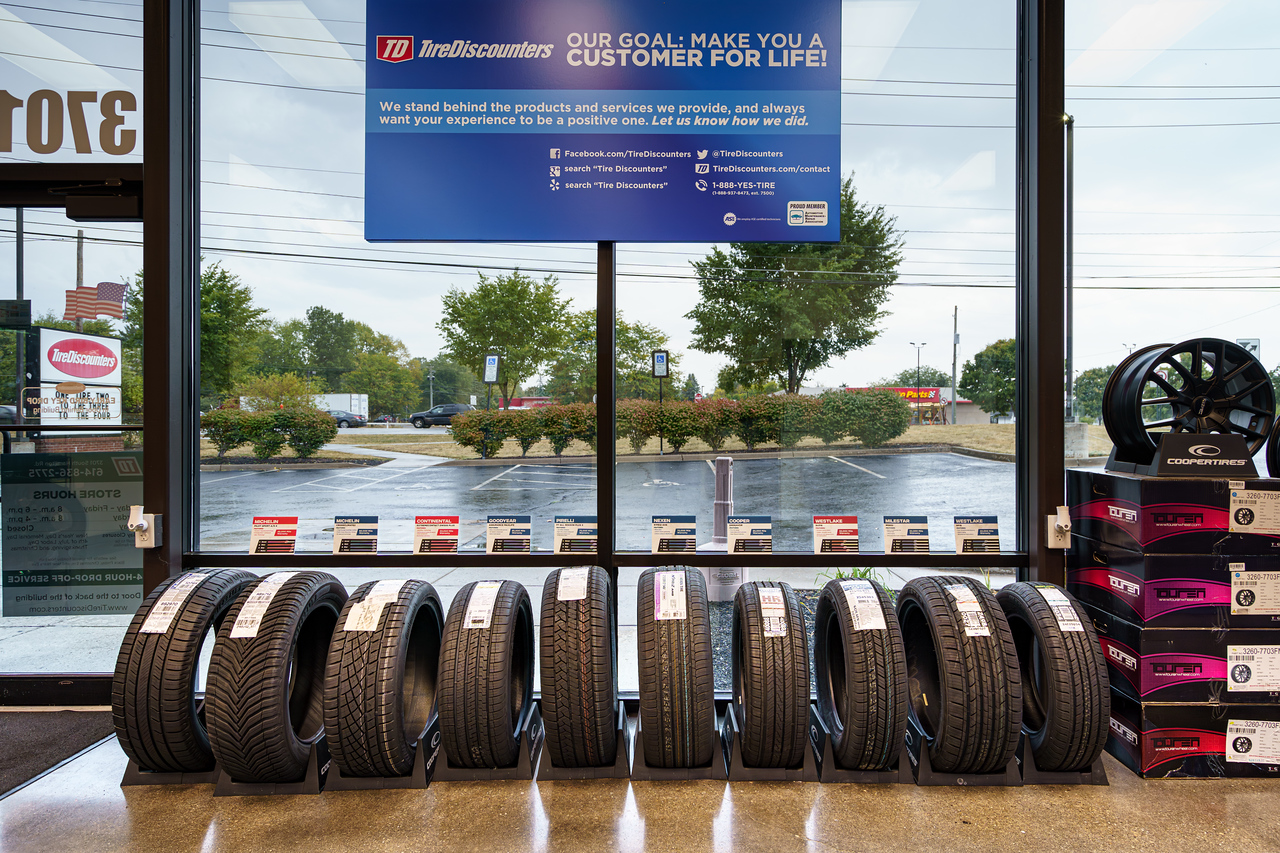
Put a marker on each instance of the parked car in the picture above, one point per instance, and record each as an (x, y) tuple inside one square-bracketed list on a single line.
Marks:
[(385, 419), (438, 415), (346, 419)]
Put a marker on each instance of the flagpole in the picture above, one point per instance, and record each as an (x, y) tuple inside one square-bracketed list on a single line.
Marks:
[(79, 272)]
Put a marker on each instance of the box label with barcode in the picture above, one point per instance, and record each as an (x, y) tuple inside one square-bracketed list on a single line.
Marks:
[(1254, 511), (1253, 741), (1253, 668), (1255, 593)]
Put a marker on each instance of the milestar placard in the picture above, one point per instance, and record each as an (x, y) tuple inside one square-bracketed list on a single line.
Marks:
[(906, 534), (558, 120)]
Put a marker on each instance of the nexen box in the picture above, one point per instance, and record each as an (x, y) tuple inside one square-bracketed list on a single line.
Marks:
[(1176, 590), (1190, 664), (1194, 741), (1175, 515)]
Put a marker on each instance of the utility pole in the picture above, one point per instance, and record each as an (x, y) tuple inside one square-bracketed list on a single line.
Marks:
[(79, 271), (919, 415), (955, 350)]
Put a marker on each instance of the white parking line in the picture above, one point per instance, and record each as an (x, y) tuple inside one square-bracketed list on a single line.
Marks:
[(319, 485), (494, 477), (711, 464), (859, 467), (205, 482)]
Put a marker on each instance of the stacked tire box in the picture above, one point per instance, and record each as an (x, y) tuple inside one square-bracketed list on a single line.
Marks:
[(1182, 579)]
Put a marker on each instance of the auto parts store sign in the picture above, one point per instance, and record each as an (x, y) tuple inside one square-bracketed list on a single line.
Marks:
[(641, 121)]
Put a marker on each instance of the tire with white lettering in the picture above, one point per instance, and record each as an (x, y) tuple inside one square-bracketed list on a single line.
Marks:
[(265, 698), (486, 674), (677, 686), (158, 720), (1066, 694), (770, 675), (861, 674), (964, 686), (380, 678), (579, 662)]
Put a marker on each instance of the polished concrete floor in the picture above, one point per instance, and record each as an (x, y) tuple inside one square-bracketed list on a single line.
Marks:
[(81, 807)]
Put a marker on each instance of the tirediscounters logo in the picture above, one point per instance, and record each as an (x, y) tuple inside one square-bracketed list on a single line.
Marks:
[(395, 48), (82, 358)]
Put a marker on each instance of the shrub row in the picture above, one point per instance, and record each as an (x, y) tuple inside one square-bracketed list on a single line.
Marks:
[(304, 430), (869, 417)]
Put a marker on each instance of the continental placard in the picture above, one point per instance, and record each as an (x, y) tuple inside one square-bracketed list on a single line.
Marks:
[(435, 534), (66, 548), (557, 120)]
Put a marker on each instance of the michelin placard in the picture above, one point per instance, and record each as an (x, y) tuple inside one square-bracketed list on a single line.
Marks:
[(66, 548), (555, 120)]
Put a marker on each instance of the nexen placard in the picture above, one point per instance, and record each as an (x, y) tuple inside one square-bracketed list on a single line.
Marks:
[(635, 121)]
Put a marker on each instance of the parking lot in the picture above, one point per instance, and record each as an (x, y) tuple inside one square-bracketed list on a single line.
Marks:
[(791, 490)]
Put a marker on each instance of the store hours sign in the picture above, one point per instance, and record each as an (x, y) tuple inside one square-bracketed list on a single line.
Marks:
[(635, 121)]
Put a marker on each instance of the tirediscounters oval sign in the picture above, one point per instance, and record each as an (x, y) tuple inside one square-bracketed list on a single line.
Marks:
[(90, 359)]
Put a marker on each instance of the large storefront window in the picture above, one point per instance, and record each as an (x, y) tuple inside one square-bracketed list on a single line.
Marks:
[(71, 371)]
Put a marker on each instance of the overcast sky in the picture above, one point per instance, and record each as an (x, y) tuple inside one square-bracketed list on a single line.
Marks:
[(1177, 223)]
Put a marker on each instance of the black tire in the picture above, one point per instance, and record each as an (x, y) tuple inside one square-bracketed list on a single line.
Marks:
[(158, 720), (265, 699), (380, 682), (418, 423), (1066, 695), (343, 424), (861, 677), (964, 690), (486, 679), (677, 686), (579, 662), (770, 678)]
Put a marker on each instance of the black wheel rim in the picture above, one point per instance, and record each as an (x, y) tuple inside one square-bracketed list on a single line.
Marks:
[(1204, 385)]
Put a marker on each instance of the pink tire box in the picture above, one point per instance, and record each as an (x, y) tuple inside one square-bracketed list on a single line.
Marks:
[(1175, 515), (1194, 741), (1176, 590)]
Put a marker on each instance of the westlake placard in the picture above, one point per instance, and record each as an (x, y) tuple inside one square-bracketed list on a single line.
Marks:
[(66, 549), (835, 534), (557, 120)]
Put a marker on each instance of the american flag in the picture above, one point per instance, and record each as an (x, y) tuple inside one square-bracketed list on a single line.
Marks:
[(106, 297)]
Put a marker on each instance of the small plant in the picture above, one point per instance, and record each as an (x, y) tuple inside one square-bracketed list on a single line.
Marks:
[(840, 573)]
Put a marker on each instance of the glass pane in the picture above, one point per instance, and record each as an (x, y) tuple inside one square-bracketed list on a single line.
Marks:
[(384, 343), (71, 92), (827, 372)]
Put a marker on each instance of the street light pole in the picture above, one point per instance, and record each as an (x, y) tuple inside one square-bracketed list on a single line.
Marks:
[(918, 348), (431, 378)]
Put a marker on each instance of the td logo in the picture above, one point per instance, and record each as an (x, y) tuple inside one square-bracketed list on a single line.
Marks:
[(395, 48)]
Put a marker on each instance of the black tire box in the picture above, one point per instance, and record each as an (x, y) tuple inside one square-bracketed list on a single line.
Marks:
[(1238, 665), (1176, 590), (1194, 741), (1175, 515)]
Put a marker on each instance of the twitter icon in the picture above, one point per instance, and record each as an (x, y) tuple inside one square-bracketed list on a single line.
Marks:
[(702, 155)]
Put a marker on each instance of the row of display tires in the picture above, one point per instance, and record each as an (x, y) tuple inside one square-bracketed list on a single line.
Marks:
[(294, 659)]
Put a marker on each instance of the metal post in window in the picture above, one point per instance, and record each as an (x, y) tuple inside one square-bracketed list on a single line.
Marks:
[(661, 368), (606, 417)]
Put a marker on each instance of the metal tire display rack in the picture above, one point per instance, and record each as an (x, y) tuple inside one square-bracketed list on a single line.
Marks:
[(1208, 386)]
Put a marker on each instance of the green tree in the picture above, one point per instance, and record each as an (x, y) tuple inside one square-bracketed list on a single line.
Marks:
[(930, 377), (990, 378), (392, 386), (453, 383), (281, 348), (520, 319), (273, 391), (1089, 386), (783, 310), (691, 388), (330, 343), (231, 326), (572, 374)]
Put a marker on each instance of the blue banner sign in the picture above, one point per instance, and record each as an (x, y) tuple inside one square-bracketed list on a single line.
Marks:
[(561, 120)]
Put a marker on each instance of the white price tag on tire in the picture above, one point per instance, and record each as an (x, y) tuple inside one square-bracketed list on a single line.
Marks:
[(671, 597), (162, 613), (572, 585), (864, 605), (971, 612), (773, 609), (365, 614), (249, 619), (480, 605), (1068, 619)]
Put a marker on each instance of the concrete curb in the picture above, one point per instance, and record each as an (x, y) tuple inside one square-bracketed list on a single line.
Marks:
[(807, 453), (293, 466)]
